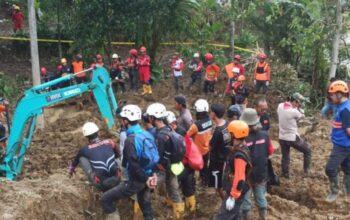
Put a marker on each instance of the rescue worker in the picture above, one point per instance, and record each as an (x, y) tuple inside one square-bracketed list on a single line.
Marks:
[(340, 155), (212, 72), (97, 159), (238, 88), (260, 148), (201, 133), (139, 182), (144, 63), (289, 112), (262, 74), (115, 72), (233, 70), (3, 139), (63, 69), (17, 18), (185, 118), (46, 76), (328, 105), (157, 116), (177, 66), (131, 65), (196, 66), (78, 67), (219, 143), (186, 178), (261, 108), (233, 113), (236, 172)]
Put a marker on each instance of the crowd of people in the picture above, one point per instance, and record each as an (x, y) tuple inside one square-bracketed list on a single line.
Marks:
[(228, 147)]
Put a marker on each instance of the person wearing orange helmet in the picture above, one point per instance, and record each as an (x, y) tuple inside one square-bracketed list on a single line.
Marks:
[(212, 72), (262, 74), (233, 70), (144, 63), (238, 88), (340, 155), (236, 171), (131, 65)]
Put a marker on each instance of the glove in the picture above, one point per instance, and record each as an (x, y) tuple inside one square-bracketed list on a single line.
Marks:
[(71, 170), (267, 83), (254, 82), (230, 203)]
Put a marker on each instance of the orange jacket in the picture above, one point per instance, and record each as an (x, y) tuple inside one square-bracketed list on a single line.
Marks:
[(239, 168), (212, 72), (229, 69), (262, 72), (77, 67), (201, 139)]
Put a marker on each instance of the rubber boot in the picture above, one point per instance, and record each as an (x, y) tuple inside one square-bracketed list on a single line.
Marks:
[(334, 187), (346, 183), (178, 209), (137, 211), (263, 214), (168, 202), (149, 89), (144, 89), (190, 203), (113, 216)]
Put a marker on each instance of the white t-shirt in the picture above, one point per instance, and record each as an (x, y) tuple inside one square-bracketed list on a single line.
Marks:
[(177, 65), (287, 121)]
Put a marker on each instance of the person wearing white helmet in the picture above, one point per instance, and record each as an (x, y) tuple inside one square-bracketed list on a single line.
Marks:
[(172, 122), (115, 71), (177, 66), (201, 132), (97, 159), (139, 165), (196, 66), (157, 115)]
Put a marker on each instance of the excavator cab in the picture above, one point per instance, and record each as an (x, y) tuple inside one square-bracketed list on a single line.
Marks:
[(31, 105)]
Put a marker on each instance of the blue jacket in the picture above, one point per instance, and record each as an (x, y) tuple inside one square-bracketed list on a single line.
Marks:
[(339, 134)]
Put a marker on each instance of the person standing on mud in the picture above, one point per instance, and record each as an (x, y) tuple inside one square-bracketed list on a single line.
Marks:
[(340, 155), (260, 148), (97, 159), (236, 172), (17, 18), (212, 72), (185, 118), (262, 74), (289, 112), (196, 66), (144, 63), (131, 65), (177, 65), (141, 177)]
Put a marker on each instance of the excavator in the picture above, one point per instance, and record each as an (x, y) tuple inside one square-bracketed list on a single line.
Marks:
[(31, 105)]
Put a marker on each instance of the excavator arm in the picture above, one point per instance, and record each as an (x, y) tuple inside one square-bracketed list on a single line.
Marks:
[(31, 105)]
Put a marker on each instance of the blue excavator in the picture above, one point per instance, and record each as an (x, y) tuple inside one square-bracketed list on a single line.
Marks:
[(31, 105)]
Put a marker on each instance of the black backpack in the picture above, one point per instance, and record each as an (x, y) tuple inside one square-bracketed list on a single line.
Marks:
[(178, 149)]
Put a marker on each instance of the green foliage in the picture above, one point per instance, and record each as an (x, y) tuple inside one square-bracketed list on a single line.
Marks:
[(9, 87)]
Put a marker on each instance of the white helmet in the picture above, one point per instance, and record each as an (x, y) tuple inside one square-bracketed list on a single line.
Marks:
[(196, 55), (170, 117), (156, 110), (235, 70), (115, 56), (131, 112), (201, 105), (90, 128)]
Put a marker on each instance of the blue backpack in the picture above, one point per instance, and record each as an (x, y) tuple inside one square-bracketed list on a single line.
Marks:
[(147, 151)]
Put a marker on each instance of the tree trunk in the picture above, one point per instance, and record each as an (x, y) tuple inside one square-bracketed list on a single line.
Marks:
[(336, 40), (232, 37), (34, 52)]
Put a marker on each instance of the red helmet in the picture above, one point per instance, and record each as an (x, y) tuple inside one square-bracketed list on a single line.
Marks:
[(143, 49), (133, 51), (208, 57), (237, 57), (43, 71), (262, 56), (98, 56)]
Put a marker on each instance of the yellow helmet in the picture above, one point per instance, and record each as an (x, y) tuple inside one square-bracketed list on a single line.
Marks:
[(63, 60)]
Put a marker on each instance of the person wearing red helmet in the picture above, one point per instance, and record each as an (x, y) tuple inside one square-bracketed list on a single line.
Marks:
[(177, 65), (144, 63), (262, 74), (131, 65), (233, 70), (211, 73)]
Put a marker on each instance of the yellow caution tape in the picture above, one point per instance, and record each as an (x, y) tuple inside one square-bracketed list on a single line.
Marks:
[(125, 43)]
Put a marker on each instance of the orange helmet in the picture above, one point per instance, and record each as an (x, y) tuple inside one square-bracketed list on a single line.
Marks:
[(338, 86), (133, 52), (238, 129), (241, 78), (208, 56), (143, 49)]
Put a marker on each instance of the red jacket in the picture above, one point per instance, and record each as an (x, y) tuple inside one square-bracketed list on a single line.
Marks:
[(144, 62), (18, 18)]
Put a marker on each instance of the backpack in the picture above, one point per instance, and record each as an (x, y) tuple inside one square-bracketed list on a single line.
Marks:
[(147, 151), (178, 146)]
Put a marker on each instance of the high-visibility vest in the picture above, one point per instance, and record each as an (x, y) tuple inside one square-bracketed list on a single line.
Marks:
[(261, 71)]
